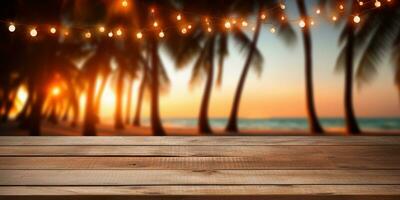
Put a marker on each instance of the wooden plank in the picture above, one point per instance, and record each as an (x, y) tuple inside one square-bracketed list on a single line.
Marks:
[(320, 161), (203, 140), (195, 177), (201, 151), (231, 190)]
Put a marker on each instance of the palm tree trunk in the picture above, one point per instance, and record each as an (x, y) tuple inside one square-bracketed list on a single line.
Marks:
[(129, 102), (89, 123), (350, 119), (314, 124), (136, 121), (233, 117), (118, 124), (36, 113), (204, 126), (99, 96), (156, 126)]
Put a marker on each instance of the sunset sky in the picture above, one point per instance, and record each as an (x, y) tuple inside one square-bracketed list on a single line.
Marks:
[(279, 91)]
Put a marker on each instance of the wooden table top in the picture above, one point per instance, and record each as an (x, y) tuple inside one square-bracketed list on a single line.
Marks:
[(258, 167)]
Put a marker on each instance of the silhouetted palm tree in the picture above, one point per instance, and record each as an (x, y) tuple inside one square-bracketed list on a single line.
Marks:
[(313, 121)]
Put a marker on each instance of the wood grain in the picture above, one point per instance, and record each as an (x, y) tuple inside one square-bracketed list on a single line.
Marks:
[(202, 140)]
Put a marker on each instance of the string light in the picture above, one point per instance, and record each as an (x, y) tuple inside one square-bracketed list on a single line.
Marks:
[(361, 3), (283, 18), (33, 32), (155, 24), (341, 7), (179, 17), (377, 4), (66, 33), (312, 23), (88, 35), (152, 10), (244, 23), (302, 24), (124, 3), (334, 18), (318, 11), (272, 30), (356, 19), (227, 25), (139, 35), (11, 27), (110, 34), (189, 26), (53, 30), (263, 16), (283, 6), (253, 28), (161, 34), (119, 32), (102, 29), (209, 29), (183, 31)]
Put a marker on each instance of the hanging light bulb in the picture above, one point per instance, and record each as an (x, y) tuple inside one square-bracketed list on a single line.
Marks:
[(53, 30), (11, 27), (312, 22), (244, 24), (263, 16), (341, 7), (377, 4), (357, 19), (361, 3), (124, 3), (139, 35), (153, 10), (209, 29), (66, 33), (318, 11), (253, 28), (183, 31), (179, 17), (119, 32), (283, 6), (110, 34), (272, 30), (334, 18), (283, 18), (302, 23), (189, 26), (155, 24), (228, 25), (161, 34), (33, 32), (88, 35), (102, 29)]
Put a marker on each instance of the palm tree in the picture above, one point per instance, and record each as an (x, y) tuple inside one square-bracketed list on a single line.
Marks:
[(254, 57), (314, 124)]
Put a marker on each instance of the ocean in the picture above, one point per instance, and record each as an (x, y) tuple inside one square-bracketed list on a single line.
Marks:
[(373, 124)]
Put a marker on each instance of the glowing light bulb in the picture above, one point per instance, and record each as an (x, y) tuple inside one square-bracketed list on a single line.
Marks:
[(11, 27), (155, 24), (139, 35), (161, 34), (179, 17), (110, 34), (124, 3), (377, 4), (253, 28), (318, 11), (283, 18), (283, 6), (55, 91), (183, 31), (66, 33), (119, 32), (209, 29), (302, 23), (152, 10), (33, 32), (312, 23), (189, 26), (334, 18), (357, 19), (361, 3), (263, 16), (88, 35), (53, 30), (272, 30), (244, 23), (227, 25), (341, 7), (102, 29)]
